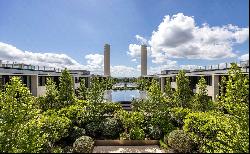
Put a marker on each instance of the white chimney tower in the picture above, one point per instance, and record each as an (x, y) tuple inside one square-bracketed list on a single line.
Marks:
[(143, 60), (106, 60)]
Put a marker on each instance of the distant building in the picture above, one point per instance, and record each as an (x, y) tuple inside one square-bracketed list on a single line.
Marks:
[(212, 76), (34, 77)]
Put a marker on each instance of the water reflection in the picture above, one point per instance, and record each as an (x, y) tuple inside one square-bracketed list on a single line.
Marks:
[(123, 95)]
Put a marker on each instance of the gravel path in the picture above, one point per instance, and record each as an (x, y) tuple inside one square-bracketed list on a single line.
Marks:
[(127, 149)]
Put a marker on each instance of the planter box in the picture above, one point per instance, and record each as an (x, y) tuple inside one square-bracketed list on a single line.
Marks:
[(125, 142)]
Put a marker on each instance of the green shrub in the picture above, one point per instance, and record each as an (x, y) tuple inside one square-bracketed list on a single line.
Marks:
[(109, 108), (66, 91), (124, 136), (137, 134), (50, 100), (130, 119), (19, 131), (111, 128), (76, 132), (90, 114), (154, 132), (183, 93), (68, 149), (56, 149), (180, 141), (54, 125), (93, 129), (161, 120), (217, 132), (73, 112), (178, 115), (83, 144)]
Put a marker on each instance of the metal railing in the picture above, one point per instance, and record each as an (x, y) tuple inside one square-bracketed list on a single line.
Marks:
[(15, 65)]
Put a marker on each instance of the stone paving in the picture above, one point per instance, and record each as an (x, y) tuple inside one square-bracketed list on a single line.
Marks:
[(128, 149)]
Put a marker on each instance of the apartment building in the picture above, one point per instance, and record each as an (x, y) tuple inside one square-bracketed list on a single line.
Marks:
[(212, 75), (34, 77)]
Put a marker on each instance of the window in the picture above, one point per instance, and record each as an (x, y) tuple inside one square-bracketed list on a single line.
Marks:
[(41, 80), (76, 80), (208, 80)]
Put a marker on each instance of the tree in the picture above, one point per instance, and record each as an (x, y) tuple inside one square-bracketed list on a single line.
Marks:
[(143, 84), (183, 92), (96, 91), (201, 100), (50, 99), (18, 127), (82, 90), (155, 95), (168, 90), (66, 89), (235, 99)]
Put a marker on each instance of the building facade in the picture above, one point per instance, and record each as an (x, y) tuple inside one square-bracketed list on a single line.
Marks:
[(35, 78), (213, 77)]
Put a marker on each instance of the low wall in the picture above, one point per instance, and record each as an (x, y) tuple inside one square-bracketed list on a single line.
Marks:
[(126, 142)]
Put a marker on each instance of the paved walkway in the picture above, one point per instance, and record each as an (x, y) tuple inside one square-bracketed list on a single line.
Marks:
[(128, 149)]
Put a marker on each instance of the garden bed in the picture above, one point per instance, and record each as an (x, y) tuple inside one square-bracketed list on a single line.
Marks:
[(126, 142)]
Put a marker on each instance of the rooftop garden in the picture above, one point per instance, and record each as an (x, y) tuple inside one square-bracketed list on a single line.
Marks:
[(65, 121)]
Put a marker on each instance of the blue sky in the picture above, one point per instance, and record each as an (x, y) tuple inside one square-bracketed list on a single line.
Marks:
[(81, 27)]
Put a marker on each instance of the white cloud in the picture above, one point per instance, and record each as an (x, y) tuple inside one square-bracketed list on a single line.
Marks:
[(135, 51), (141, 39), (169, 64), (124, 71), (11, 53), (179, 37), (134, 60), (94, 61), (244, 57)]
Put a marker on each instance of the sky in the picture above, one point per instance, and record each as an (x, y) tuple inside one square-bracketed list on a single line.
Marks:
[(179, 34)]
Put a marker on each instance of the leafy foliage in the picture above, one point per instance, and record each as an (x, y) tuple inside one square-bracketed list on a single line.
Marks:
[(178, 115), (136, 133), (51, 98), (66, 89), (83, 144), (82, 90), (180, 141), (235, 100), (130, 119), (124, 136), (168, 92), (111, 128), (154, 132), (54, 125), (96, 91), (143, 84), (183, 93), (216, 132), (18, 129), (201, 101), (76, 132)]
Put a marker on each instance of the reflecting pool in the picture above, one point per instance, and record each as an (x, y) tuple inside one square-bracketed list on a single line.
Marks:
[(123, 95)]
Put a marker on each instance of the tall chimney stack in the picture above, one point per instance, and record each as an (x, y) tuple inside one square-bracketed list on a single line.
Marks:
[(143, 60), (106, 60)]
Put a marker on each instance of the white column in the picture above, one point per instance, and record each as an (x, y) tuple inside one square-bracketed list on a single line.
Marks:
[(215, 87), (163, 79), (34, 84)]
